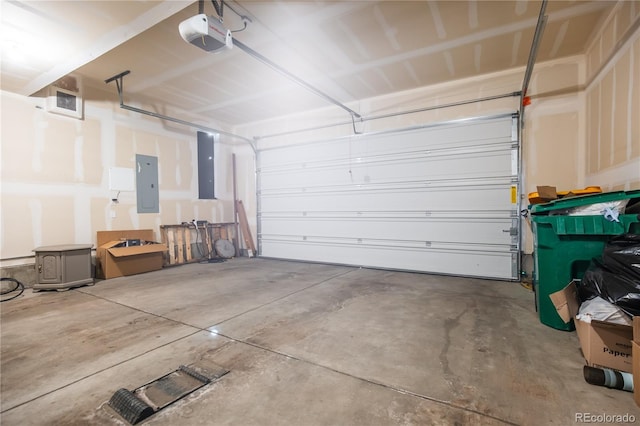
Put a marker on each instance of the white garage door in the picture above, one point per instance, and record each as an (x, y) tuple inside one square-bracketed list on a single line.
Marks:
[(440, 198)]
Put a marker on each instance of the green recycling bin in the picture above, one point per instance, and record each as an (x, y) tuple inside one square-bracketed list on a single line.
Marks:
[(564, 243)]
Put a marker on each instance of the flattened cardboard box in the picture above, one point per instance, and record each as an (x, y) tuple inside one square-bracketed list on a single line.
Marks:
[(636, 359), (120, 261), (603, 344)]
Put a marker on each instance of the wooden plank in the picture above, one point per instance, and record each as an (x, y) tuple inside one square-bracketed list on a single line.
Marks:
[(209, 235), (165, 240), (180, 244), (171, 243), (163, 235), (232, 232), (201, 250), (216, 233), (187, 243), (244, 228), (224, 235)]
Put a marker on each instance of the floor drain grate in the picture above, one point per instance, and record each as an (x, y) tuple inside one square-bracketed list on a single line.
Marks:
[(137, 405)]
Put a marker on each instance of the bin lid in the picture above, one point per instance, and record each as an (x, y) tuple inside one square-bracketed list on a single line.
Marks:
[(584, 200)]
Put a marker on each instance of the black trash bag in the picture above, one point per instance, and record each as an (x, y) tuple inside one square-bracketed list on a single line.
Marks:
[(616, 277), (622, 254)]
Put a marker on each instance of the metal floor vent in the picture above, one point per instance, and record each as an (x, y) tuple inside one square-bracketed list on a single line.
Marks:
[(143, 402)]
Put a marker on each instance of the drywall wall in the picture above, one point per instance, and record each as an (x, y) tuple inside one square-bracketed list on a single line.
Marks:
[(55, 174), (613, 102)]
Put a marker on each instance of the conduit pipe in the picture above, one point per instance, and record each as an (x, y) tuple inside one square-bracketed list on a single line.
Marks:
[(394, 114), (120, 86)]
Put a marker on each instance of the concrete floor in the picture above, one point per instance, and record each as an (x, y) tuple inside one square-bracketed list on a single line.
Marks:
[(306, 344)]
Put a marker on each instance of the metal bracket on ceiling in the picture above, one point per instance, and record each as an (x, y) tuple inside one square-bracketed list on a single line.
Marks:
[(219, 7), (353, 122), (119, 83), (119, 79)]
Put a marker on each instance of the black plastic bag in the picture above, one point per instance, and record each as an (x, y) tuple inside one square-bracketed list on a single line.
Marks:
[(622, 254), (616, 277)]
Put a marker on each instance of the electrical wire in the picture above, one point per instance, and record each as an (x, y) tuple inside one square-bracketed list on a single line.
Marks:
[(199, 237), (242, 29), (18, 287)]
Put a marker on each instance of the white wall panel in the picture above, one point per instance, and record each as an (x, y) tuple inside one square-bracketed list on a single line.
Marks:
[(433, 199)]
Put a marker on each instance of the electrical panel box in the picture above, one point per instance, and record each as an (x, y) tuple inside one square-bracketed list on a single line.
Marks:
[(148, 196)]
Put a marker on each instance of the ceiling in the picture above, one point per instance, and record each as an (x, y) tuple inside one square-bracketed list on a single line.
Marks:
[(349, 50)]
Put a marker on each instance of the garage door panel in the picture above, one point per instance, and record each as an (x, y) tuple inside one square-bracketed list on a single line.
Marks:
[(448, 139), (419, 143), (479, 262), (474, 166), (410, 198), (424, 199), (346, 153), (422, 230)]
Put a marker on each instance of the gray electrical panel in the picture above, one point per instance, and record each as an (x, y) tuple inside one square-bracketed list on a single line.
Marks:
[(148, 197)]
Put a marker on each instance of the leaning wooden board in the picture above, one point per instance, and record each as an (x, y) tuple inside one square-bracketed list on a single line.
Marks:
[(244, 228)]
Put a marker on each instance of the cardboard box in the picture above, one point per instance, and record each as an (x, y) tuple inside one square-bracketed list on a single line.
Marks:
[(636, 359), (603, 344), (547, 193), (115, 261)]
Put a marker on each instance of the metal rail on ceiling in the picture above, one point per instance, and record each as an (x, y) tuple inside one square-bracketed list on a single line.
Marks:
[(394, 114), (293, 77), (513, 114), (120, 86)]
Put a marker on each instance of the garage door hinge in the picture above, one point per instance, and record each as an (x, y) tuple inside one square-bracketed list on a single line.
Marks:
[(512, 231)]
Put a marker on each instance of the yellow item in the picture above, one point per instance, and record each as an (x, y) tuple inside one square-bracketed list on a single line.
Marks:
[(534, 197)]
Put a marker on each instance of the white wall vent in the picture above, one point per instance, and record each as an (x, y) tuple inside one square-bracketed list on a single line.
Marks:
[(65, 97)]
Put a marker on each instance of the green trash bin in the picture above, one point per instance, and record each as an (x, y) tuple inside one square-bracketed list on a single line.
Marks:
[(564, 244)]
